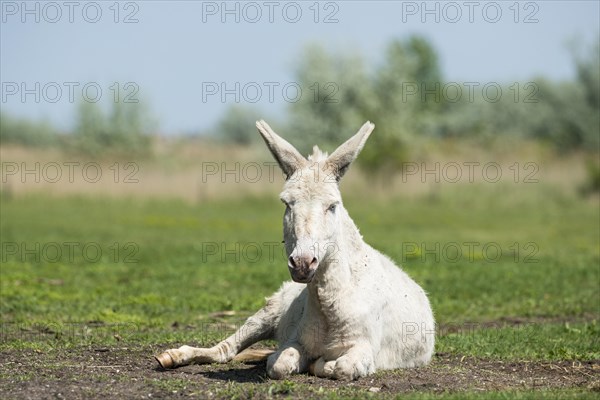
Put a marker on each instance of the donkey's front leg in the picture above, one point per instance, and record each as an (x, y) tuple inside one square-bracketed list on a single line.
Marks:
[(355, 363), (258, 327), (186, 355), (289, 359)]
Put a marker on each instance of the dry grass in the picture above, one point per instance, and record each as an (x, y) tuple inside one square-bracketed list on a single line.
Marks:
[(197, 171)]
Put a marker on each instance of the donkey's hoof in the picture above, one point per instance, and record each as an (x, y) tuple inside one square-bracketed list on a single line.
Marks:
[(165, 360)]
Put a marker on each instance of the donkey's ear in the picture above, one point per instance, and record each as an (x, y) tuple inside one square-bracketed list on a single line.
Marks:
[(288, 158), (343, 156)]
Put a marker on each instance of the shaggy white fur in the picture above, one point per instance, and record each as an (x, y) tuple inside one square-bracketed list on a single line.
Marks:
[(350, 311)]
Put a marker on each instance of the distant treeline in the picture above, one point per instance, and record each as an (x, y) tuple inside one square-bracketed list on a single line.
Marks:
[(406, 96), (123, 129)]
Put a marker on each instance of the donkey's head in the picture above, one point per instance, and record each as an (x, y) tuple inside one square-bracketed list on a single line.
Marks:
[(313, 204)]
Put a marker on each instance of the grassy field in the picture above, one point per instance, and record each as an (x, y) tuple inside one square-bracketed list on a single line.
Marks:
[(512, 271)]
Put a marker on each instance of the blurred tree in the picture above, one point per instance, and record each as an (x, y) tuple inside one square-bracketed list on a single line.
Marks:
[(90, 129), (337, 96), (588, 74), (401, 97), (588, 77), (409, 81), (124, 131), (565, 114), (237, 125), (26, 132), (408, 92)]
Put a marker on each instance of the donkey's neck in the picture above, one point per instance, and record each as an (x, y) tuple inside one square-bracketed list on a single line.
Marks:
[(338, 272)]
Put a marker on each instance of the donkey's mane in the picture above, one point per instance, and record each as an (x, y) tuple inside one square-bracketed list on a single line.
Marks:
[(317, 155)]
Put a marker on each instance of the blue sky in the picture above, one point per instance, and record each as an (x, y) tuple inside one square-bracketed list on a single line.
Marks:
[(172, 54)]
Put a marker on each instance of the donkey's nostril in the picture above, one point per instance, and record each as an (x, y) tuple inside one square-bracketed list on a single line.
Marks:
[(302, 262), (291, 262)]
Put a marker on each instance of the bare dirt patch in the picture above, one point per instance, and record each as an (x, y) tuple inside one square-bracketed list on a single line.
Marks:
[(132, 373)]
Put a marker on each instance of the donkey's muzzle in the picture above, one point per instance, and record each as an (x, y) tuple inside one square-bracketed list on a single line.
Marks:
[(302, 269)]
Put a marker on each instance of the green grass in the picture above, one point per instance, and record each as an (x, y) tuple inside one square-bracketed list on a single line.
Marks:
[(505, 395), (164, 266), (532, 341)]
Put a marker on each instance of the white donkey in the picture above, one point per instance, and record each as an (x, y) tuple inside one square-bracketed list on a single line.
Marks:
[(350, 311)]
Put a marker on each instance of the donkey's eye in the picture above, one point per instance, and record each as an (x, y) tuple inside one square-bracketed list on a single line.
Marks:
[(332, 207)]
